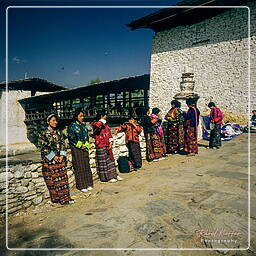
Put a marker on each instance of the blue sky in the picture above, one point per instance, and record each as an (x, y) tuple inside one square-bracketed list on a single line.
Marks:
[(73, 46)]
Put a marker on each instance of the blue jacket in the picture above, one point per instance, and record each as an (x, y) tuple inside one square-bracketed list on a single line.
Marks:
[(191, 115), (78, 134)]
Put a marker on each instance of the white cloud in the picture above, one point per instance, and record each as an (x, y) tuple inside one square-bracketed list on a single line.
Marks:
[(76, 73), (18, 60)]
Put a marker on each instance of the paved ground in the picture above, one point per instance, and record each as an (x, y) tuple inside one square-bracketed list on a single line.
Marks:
[(167, 204)]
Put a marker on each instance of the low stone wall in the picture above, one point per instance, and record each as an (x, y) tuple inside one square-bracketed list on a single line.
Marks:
[(26, 186)]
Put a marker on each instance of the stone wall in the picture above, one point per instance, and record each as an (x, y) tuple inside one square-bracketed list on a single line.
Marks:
[(216, 51), (26, 185), (16, 116), (17, 130)]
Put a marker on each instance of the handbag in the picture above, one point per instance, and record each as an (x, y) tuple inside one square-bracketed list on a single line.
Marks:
[(123, 164)]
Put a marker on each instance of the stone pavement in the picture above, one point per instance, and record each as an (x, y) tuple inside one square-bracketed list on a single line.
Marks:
[(167, 204)]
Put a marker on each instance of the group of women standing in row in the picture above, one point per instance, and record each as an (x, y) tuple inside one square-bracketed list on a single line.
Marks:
[(181, 135), (182, 130)]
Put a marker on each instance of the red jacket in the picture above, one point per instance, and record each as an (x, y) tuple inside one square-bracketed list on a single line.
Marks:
[(216, 115), (131, 132), (102, 134)]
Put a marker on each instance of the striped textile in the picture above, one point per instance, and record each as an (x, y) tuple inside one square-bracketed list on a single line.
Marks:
[(135, 154), (162, 145), (82, 170), (105, 166), (153, 143), (191, 145), (56, 179), (181, 137), (175, 137)]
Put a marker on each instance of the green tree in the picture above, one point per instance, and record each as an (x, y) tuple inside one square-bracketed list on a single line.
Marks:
[(95, 81)]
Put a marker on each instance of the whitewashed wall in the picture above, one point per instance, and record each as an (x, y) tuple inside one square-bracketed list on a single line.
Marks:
[(17, 130), (220, 64)]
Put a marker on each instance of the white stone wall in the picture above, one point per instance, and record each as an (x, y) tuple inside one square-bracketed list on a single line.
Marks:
[(16, 127), (26, 186), (220, 64), (17, 131)]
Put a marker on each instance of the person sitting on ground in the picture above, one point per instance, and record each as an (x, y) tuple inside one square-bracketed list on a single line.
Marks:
[(132, 131)]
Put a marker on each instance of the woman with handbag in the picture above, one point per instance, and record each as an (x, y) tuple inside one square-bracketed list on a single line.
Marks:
[(132, 132), (53, 151), (216, 118), (80, 146)]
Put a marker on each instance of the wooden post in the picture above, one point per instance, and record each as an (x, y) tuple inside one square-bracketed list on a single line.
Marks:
[(145, 98)]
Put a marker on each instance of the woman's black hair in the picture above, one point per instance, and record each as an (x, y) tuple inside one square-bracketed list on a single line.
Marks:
[(155, 111), (100, 113), (145, 110), (77, 112), (176, 103), (190, 101), (211, 104), (50, 117)]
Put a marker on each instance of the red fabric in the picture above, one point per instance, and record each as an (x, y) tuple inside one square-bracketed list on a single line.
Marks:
[(216, 115), (131, 132), (102, 134)]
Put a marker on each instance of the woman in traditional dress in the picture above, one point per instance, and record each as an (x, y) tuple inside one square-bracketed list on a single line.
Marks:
[(175, 130), (132, 132), (156, 114), (191, 128), (216, 118), (154, 152), (52, 145), (80, 146), (105, 162)]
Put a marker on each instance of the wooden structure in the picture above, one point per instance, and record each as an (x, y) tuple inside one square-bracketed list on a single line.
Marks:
[(119, 98), (31, 84), (172, 17)]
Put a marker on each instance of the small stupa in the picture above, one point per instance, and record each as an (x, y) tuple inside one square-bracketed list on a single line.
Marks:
[(187, 86)]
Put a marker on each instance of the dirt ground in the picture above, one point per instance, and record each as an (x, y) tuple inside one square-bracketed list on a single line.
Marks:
[(180, 202)]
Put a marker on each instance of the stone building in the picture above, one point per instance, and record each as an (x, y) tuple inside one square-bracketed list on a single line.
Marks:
[(211, 42), (17, 90)]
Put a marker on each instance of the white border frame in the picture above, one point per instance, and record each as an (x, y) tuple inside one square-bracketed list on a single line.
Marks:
[(130, 249)]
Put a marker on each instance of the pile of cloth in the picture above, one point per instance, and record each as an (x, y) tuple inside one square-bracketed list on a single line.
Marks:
[(228, 130)]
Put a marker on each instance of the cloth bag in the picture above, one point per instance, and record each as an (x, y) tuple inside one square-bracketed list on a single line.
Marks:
[(123, 164)]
